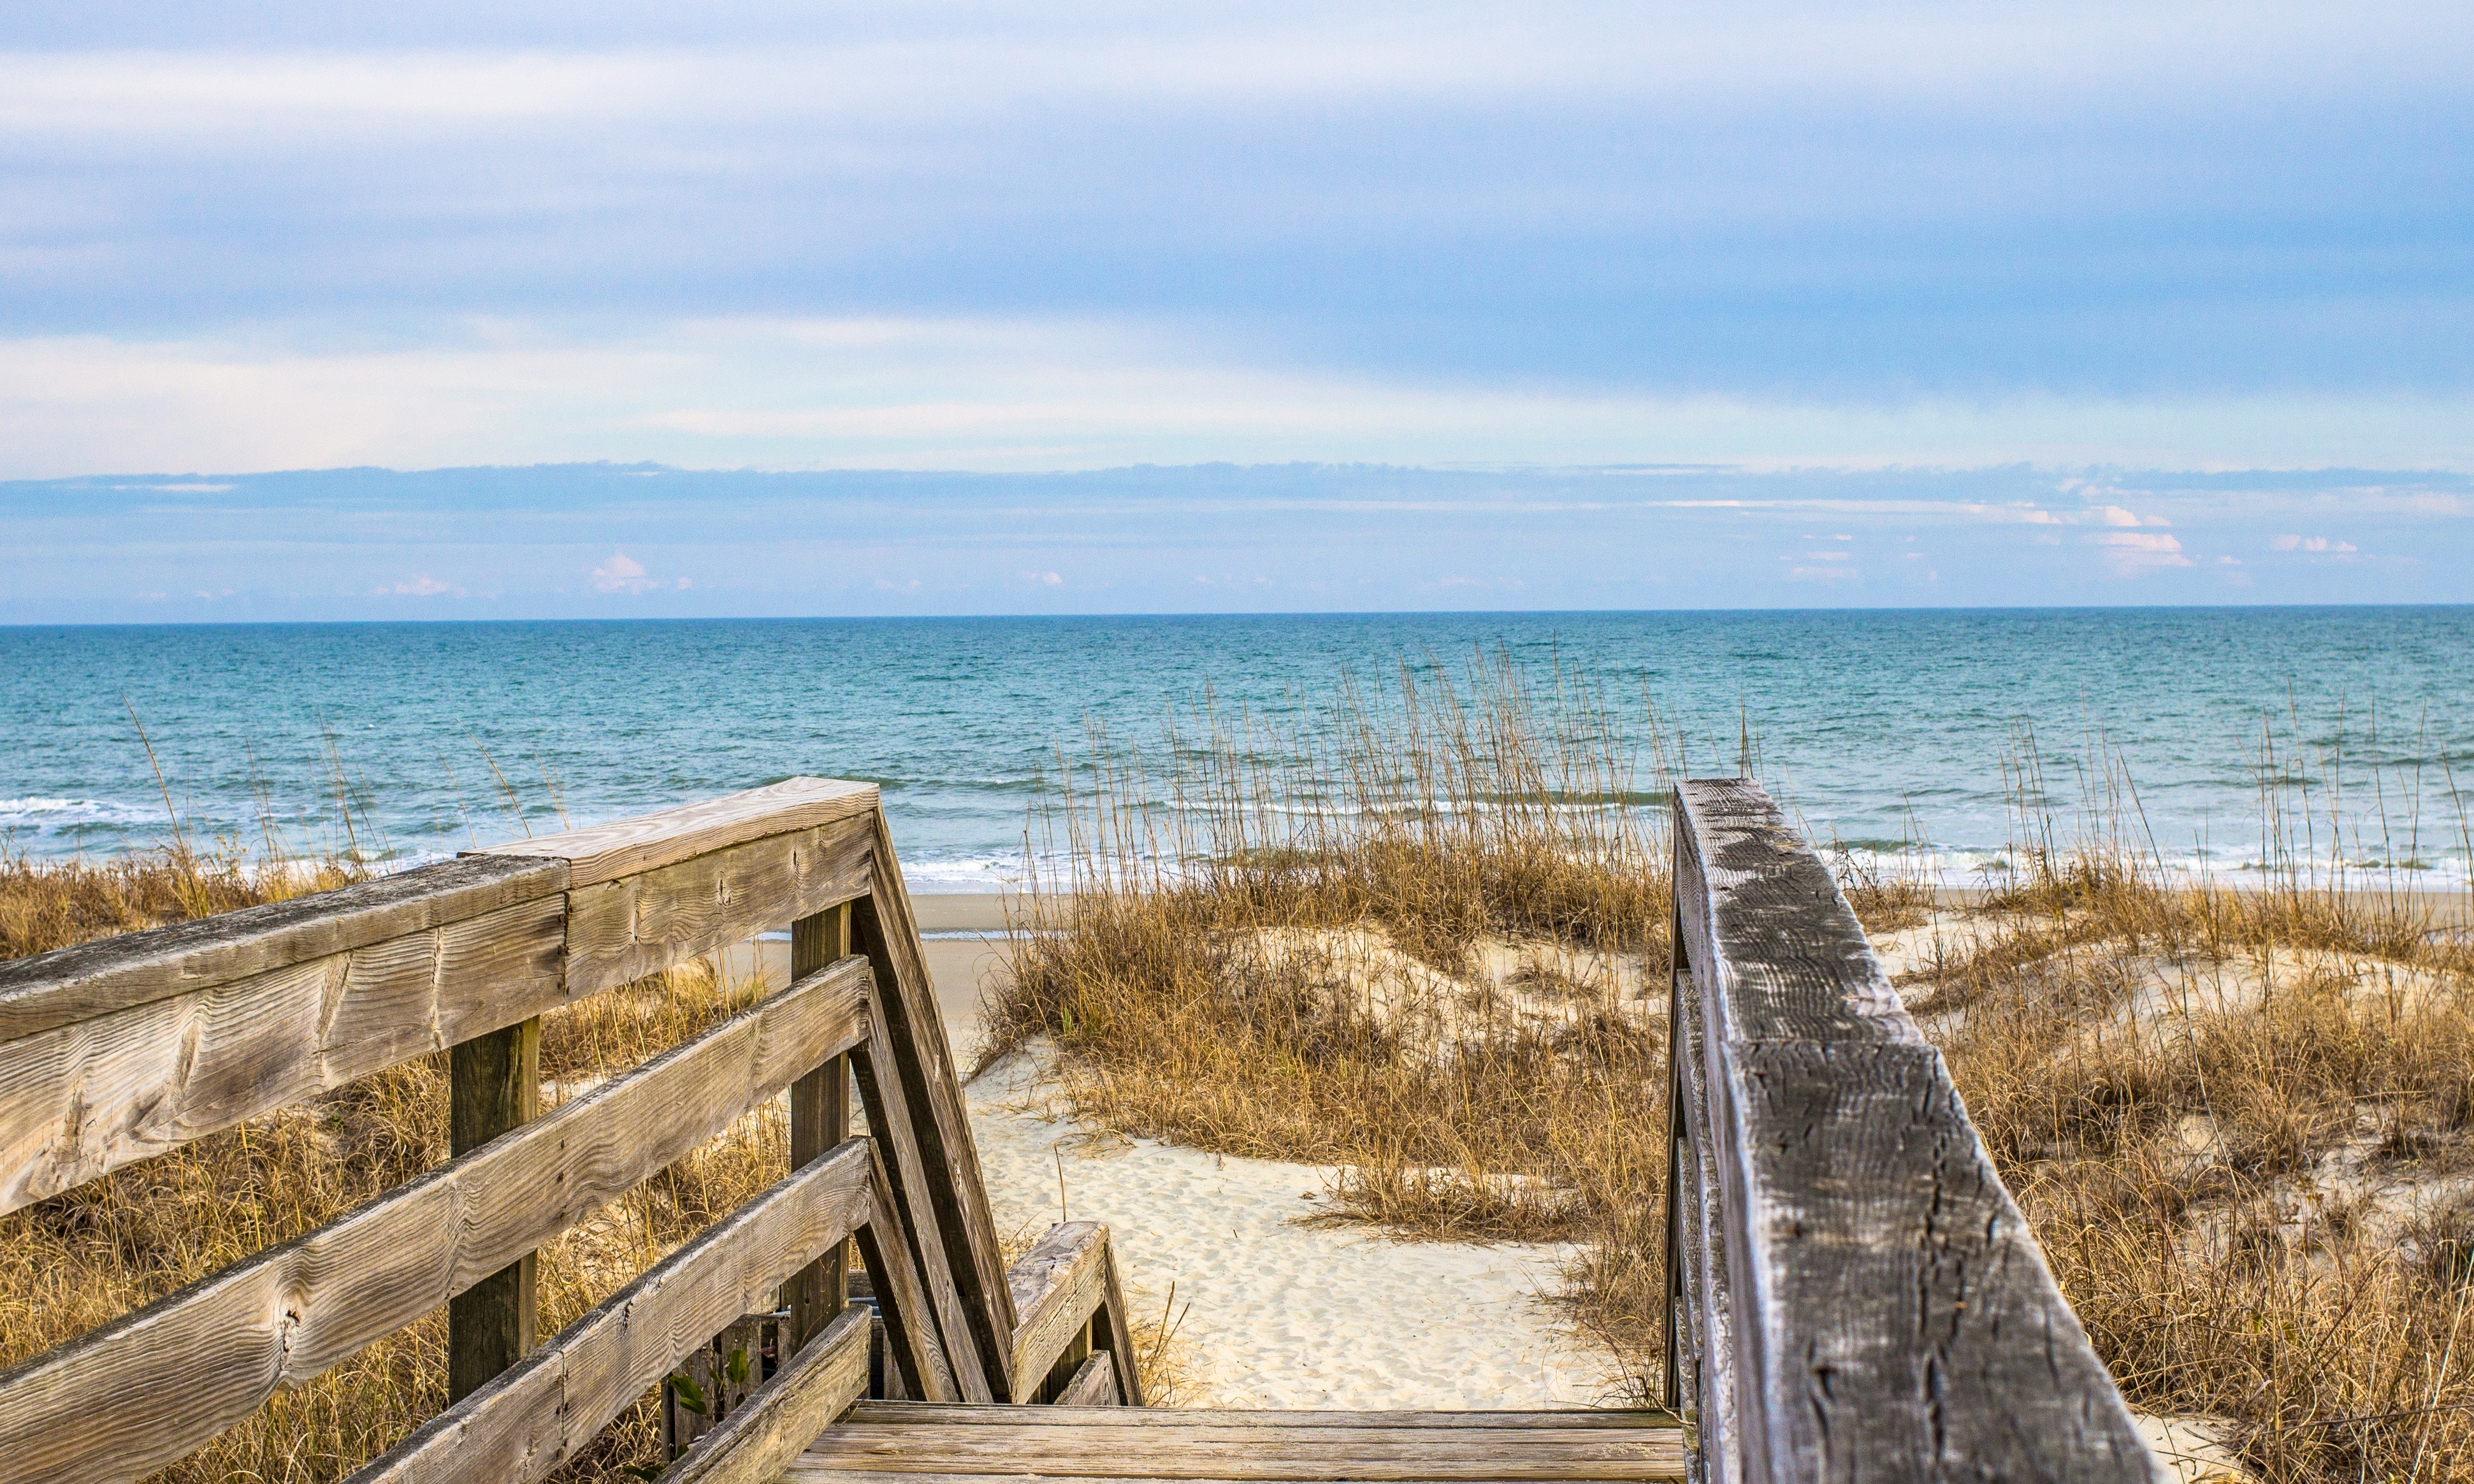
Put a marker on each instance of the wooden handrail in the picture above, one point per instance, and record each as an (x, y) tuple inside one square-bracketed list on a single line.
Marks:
[(1853, 1293), (540, 1413), (1070, 1302), (145, 1390), (124, 1048)]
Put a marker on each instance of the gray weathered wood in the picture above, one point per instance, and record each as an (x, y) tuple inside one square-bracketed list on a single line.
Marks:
[(774, 1425), (819, 1120), (1094, 1384), (1112, 1330), (536, 1415), (1057, 1287), (1201, 1449), (974, 1257), (70, 984), (1224, 1421), (493, 1087), (1889, 1314), (891, 1122), (645, 843), (80, 1100), (146, 1389), (902, 1304), (623, 930)]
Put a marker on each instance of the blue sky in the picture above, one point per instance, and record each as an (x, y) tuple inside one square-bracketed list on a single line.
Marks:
[(1825, 242)]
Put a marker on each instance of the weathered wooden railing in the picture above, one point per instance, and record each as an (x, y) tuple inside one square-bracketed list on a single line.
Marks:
[(132, 1046), (1853, 1294)]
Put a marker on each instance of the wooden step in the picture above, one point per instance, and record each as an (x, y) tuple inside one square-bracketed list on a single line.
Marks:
[(916, 1443)]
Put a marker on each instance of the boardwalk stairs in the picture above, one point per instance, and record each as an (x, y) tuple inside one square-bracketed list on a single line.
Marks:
[(859, 1320)]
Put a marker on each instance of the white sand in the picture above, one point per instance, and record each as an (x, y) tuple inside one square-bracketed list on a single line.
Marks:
[(1285, 1315)]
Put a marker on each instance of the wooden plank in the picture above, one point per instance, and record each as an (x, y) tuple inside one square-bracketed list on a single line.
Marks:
[(1093, 1385), (80, 1100), (819, 1120), (891, 1122), (70, 985), (623, 930), (758, 1440), (493, 1087), (1246, 1454), (907, 1414), (902, 1304), (1892, 1315), (141, 1392), (942, 1124), (1055, 1287), (1113, 1330), (533, 1418), (630, 847)]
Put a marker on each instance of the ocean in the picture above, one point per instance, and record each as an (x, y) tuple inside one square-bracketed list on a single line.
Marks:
[(1893, 732)]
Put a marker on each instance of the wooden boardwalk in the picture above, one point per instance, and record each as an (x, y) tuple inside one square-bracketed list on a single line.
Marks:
[(916, 1443), (1854, 1296)]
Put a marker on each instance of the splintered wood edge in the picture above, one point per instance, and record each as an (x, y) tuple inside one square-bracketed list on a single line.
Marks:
[(625, 848), (68, 984)]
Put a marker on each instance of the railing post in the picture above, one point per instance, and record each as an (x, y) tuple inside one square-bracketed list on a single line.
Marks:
[(493, 1085), (819, 1120)]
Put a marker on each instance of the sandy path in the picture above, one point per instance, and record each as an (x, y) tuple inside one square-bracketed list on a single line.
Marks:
[(1284, 1315)]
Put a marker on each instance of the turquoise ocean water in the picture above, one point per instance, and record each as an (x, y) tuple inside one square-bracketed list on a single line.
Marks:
[(1881, 727)]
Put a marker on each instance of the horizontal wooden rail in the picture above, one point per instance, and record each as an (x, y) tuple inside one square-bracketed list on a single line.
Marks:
[(1853, 1293), (540, 1413), (145, 1390), (129, 1047), (1067, 1290)]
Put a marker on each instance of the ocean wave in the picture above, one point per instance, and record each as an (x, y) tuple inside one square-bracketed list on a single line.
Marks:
[(42, 816)]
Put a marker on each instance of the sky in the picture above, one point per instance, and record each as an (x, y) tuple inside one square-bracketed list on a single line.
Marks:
[(1925, 260)]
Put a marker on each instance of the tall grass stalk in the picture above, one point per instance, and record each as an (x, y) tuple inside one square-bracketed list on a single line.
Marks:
[(1406, 934)]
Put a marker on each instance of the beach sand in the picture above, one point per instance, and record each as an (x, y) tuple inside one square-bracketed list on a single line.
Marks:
[(1276, 1313), (1270, 1312)]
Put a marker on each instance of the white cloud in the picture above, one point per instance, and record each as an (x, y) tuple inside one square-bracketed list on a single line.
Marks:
[(1820, 574), (2133, 554), (969, 394), (624, 574), (2312, 543), (421, 586), (1043, 578)]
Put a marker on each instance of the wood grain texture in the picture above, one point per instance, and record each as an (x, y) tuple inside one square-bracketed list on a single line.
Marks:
[(941, 1125), (80, 1100), (70, 985), (1057, 1286), (1200, 1449), (494, 1087), (1889, 1315), (902, 1302), (1113, 1330), (535, 1417), (1094, 1384), (913, 1413), (623, 930), (776, 1424), (628, 847), (891, 1122), (819, 1120), (141, 1392)]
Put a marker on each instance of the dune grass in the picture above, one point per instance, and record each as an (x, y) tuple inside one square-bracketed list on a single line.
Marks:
[(1301, 941), (1418, 936)]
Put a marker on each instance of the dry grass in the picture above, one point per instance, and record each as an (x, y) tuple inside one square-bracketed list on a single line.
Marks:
[(80, 1260), (1406, 938), (2240, 1124)]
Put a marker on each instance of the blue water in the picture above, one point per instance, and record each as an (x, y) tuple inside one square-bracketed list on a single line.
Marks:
[(1879, 727)]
